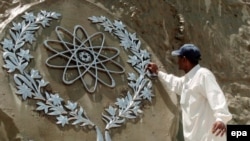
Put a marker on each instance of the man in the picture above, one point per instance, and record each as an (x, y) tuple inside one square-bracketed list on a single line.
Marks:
[(204, 108)]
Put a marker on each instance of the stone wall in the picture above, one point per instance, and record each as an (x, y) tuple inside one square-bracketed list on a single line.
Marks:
[(220, 28)]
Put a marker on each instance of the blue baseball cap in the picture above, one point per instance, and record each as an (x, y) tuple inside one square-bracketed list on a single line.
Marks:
[(190, 51)]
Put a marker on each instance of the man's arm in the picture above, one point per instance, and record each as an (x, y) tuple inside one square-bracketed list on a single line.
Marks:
[(217, 102), (171, 82)]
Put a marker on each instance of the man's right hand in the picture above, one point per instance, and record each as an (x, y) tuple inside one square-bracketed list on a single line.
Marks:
[(153, 68)]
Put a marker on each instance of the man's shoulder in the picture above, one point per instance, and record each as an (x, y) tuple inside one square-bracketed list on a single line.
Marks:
[(205, 71)]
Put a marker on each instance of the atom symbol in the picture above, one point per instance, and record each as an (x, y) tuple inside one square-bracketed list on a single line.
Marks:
[(83, 57)]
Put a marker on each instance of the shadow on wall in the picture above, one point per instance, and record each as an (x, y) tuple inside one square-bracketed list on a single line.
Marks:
[(170, 102), (8, 130)]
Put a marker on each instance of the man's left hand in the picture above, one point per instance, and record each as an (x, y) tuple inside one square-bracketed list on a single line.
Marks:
[(219, 128)]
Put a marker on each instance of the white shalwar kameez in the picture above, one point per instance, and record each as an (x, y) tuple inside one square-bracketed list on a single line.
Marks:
[(202, 102)]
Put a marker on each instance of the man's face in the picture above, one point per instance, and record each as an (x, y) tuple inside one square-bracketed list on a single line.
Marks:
[(181, 62)]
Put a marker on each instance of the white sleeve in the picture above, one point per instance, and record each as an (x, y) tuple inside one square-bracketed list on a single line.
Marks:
[(171, 82), (216, 98)]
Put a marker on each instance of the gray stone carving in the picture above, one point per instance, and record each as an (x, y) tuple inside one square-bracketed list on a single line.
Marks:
[(83, 56), (29, 83), (129, 106)]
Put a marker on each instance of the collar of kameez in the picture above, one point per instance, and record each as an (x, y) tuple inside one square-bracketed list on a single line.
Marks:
[(192, 72)]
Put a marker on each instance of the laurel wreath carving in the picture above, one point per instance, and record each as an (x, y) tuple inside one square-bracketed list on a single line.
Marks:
[(30, 84)]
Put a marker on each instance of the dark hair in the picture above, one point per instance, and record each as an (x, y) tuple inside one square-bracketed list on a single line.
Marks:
[(192, 60)]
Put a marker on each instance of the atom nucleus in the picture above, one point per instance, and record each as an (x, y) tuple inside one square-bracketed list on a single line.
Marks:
[(83, 57)]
